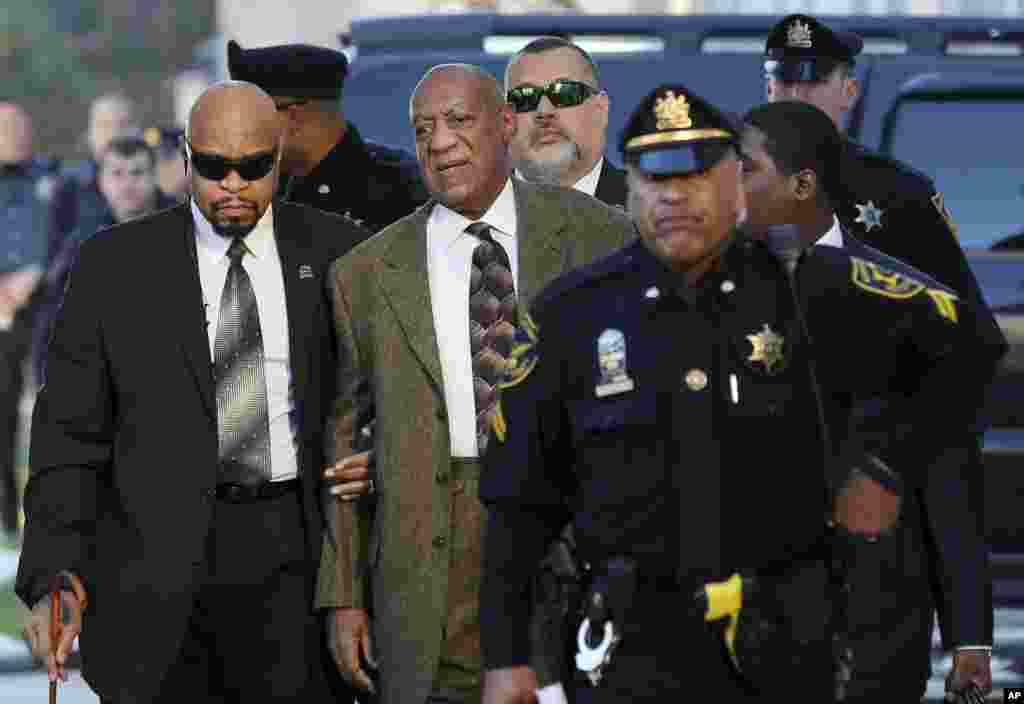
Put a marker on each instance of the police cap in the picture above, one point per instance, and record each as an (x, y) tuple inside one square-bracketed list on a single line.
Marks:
[(800, 48), (293, 70), (674, 131)]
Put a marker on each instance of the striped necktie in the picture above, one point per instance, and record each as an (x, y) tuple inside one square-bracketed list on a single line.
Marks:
[(243, 426)]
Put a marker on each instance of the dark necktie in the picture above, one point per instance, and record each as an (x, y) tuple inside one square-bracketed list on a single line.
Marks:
[(243, 426), (492, 305)]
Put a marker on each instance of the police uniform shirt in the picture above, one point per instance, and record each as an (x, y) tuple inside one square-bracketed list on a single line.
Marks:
[(263, 265), (368, 183), (449, 256), (641, 472)]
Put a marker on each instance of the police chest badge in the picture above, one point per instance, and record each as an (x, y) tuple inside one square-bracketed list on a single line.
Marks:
[(869, 215), (611, 361), (769, 349)]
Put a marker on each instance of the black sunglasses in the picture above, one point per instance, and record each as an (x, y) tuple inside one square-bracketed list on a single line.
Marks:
[(562, 93), (215, 167)]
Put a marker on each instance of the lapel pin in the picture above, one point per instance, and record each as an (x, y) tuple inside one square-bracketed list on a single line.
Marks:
[(305, 271)]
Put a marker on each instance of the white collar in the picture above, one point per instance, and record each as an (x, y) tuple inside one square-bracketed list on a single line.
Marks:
[(501, 215), (588, 184), (258, 241), (834, 236)]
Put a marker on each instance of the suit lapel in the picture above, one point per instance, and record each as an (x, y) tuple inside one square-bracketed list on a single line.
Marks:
[(406, 287), (540, 234), (192, 318), (302, 289)]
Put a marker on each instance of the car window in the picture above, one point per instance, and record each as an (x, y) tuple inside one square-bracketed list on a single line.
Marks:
[(969, 148)]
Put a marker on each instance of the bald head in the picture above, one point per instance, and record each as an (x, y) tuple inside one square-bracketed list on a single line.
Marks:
[(231, 112), (110, 115), (15, 134), (234, 141), (490, 92)]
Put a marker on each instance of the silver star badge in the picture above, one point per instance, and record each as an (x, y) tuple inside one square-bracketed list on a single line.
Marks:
[(869, 215)]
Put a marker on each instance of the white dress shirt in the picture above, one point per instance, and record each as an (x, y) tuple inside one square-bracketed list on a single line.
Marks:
[(834, 236), (263, 265), (449, 259)]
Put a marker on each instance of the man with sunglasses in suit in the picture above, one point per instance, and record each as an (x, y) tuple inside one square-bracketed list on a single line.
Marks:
[(178, 441), (327, 163), (561, 120)]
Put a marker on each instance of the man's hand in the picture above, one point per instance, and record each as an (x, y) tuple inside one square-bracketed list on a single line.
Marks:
[(349, 636), (865, 507), (970, 667), (349, 478), (510, 685), (37, 630)]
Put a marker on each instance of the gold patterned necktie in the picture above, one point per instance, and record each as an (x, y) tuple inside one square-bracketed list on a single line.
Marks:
[(243, 426), (492, 306)]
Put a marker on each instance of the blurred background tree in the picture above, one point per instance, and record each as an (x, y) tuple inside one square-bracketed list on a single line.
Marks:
[(57, 55)]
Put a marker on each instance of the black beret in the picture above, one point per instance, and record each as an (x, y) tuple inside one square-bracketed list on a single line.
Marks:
[(800, 48), (292, 70), (674, 131)]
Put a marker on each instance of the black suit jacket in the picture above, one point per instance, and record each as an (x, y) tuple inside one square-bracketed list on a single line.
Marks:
[(937, 559), (611, 185), (124, 433)]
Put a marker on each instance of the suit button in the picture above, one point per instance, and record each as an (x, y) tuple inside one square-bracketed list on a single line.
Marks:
[(442, 414), (209, 493), (442, 477), (696, 380), (440, 541)]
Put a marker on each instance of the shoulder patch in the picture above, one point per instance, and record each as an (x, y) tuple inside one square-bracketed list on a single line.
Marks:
[(521, 362), (881, 281), (940, 205), (884, 282)]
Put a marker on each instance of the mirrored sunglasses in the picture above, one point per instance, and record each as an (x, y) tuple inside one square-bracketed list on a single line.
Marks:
[(562, 93), (215, 167)]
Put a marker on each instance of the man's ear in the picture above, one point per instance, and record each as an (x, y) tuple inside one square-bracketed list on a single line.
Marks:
[(805, 185), (851, 92)]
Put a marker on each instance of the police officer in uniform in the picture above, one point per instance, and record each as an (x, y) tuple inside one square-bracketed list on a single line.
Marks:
[(883, 202), (326, 163), (886, 204), (27, 185), (663, 400)]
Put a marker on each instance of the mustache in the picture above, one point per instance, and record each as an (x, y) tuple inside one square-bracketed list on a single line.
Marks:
[(232, 203)]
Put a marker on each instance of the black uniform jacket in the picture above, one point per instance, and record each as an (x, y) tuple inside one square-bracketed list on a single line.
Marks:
[(366, 182), (897, 210), (124, 433), (678, 426)]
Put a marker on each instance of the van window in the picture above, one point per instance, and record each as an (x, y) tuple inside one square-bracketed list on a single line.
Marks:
[(971, 150)]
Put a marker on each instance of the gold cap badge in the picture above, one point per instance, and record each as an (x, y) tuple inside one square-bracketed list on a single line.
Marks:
[(799, 35), (672, 112)]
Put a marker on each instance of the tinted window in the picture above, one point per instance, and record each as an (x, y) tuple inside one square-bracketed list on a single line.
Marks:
[(972, 150)]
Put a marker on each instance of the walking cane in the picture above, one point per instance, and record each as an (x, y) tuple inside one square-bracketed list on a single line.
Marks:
[(57, 612)]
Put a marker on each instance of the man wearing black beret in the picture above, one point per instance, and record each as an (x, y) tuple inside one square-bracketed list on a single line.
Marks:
[(326, 163), (886, 204)]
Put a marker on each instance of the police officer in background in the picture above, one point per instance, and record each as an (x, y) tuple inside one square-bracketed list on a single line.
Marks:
[(882, 201), (27, 184), (326, 163), (662, 401)]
